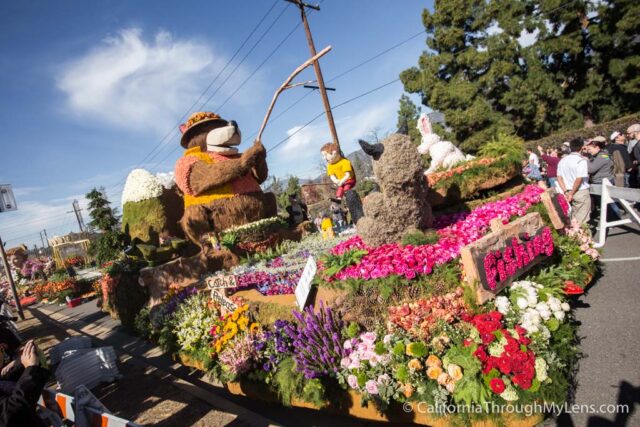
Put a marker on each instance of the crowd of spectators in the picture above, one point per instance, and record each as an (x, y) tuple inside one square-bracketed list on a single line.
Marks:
[(578, 164)]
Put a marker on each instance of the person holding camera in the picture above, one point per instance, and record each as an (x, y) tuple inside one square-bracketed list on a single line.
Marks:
[(18, 404)]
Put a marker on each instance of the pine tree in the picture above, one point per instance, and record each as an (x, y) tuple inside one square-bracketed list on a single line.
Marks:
[(616, 42), (111, 241), (582, 68), (408, 114), (458, 76), (293, 187), (103, 217)]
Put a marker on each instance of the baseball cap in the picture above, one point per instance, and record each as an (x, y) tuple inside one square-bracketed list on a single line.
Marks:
[(597, 141), (599, 138), (614, 135)]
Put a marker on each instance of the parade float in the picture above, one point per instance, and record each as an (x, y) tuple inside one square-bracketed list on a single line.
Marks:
[(417, 315), (39, 279), (418, 311)]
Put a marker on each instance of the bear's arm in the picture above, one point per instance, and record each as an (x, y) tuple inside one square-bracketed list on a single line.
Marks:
[(205, 176), (260, 171)]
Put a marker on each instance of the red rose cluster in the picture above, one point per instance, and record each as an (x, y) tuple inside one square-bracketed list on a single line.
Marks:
[(420, 316), (517, 361)]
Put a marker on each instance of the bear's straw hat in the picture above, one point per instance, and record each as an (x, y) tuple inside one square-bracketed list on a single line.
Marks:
[(194, 121)]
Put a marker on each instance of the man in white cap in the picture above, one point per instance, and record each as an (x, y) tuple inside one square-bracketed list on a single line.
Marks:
[(622, 164)]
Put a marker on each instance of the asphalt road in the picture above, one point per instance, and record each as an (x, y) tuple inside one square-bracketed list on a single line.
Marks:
[(609, 317)]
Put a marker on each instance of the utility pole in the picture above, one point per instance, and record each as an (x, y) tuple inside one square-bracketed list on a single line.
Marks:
[(42, 240), (316, 66), (77, 211), (46, 238)]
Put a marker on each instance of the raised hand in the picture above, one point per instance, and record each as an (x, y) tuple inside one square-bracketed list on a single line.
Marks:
[(29, 356)]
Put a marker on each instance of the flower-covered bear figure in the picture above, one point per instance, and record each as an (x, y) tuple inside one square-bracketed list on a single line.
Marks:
[(339, 169), (221, 186), (443, 153)]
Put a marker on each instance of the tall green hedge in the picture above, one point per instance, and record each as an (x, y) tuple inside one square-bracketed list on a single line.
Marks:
[(603, 129)]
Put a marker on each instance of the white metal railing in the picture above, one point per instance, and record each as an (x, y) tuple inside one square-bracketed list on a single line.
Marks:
[(609, 194)]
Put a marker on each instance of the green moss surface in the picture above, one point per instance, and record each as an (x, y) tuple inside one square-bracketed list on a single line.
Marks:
[(144, 220)]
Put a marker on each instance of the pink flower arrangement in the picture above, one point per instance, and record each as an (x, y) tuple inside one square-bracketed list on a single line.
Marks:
[(455, 231), (583, 236)]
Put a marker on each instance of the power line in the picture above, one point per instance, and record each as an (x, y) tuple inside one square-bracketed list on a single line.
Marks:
[(173, 129), (64, 225), (243, 59), (334, 107), (273, 51), (258, 68), (336, 77), (342, 74)]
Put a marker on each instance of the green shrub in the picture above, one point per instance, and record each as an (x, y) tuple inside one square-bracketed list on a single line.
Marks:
[(508, 146), (603, 129), (290, 383), (418, 238), (335, 263)]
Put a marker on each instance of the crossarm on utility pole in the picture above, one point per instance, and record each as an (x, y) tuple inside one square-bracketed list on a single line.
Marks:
[(287, 85)]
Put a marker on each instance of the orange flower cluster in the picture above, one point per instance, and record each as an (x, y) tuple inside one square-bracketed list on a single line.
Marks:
[(108, 284), (74, 262), (419, 316), (42, 290), (435, 177)]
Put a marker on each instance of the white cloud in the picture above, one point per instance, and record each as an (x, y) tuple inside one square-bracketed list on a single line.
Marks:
[(303, 148), (25, 224), (494, 28), (25, 191), (129, 82), (527, 39)]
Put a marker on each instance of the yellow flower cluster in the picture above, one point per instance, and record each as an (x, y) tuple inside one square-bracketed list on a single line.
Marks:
[(199, 116), (233, 323)]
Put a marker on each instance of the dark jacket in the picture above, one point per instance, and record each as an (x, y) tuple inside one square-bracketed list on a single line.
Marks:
[(601, 167), (19, 407), (624, 154)]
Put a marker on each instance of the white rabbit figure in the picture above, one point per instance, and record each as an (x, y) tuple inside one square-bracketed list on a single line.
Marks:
[(443, 153)]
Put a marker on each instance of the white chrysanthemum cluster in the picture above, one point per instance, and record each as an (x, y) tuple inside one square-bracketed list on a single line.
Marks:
[(141, 185), (524, 300)]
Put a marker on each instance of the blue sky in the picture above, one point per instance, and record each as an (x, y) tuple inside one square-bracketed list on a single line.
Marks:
[(89, 89)]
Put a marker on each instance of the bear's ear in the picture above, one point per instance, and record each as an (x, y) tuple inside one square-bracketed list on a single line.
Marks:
[(183, 128)]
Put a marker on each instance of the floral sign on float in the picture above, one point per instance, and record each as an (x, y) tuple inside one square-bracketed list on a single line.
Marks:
[(516, 258), (499, 258)]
